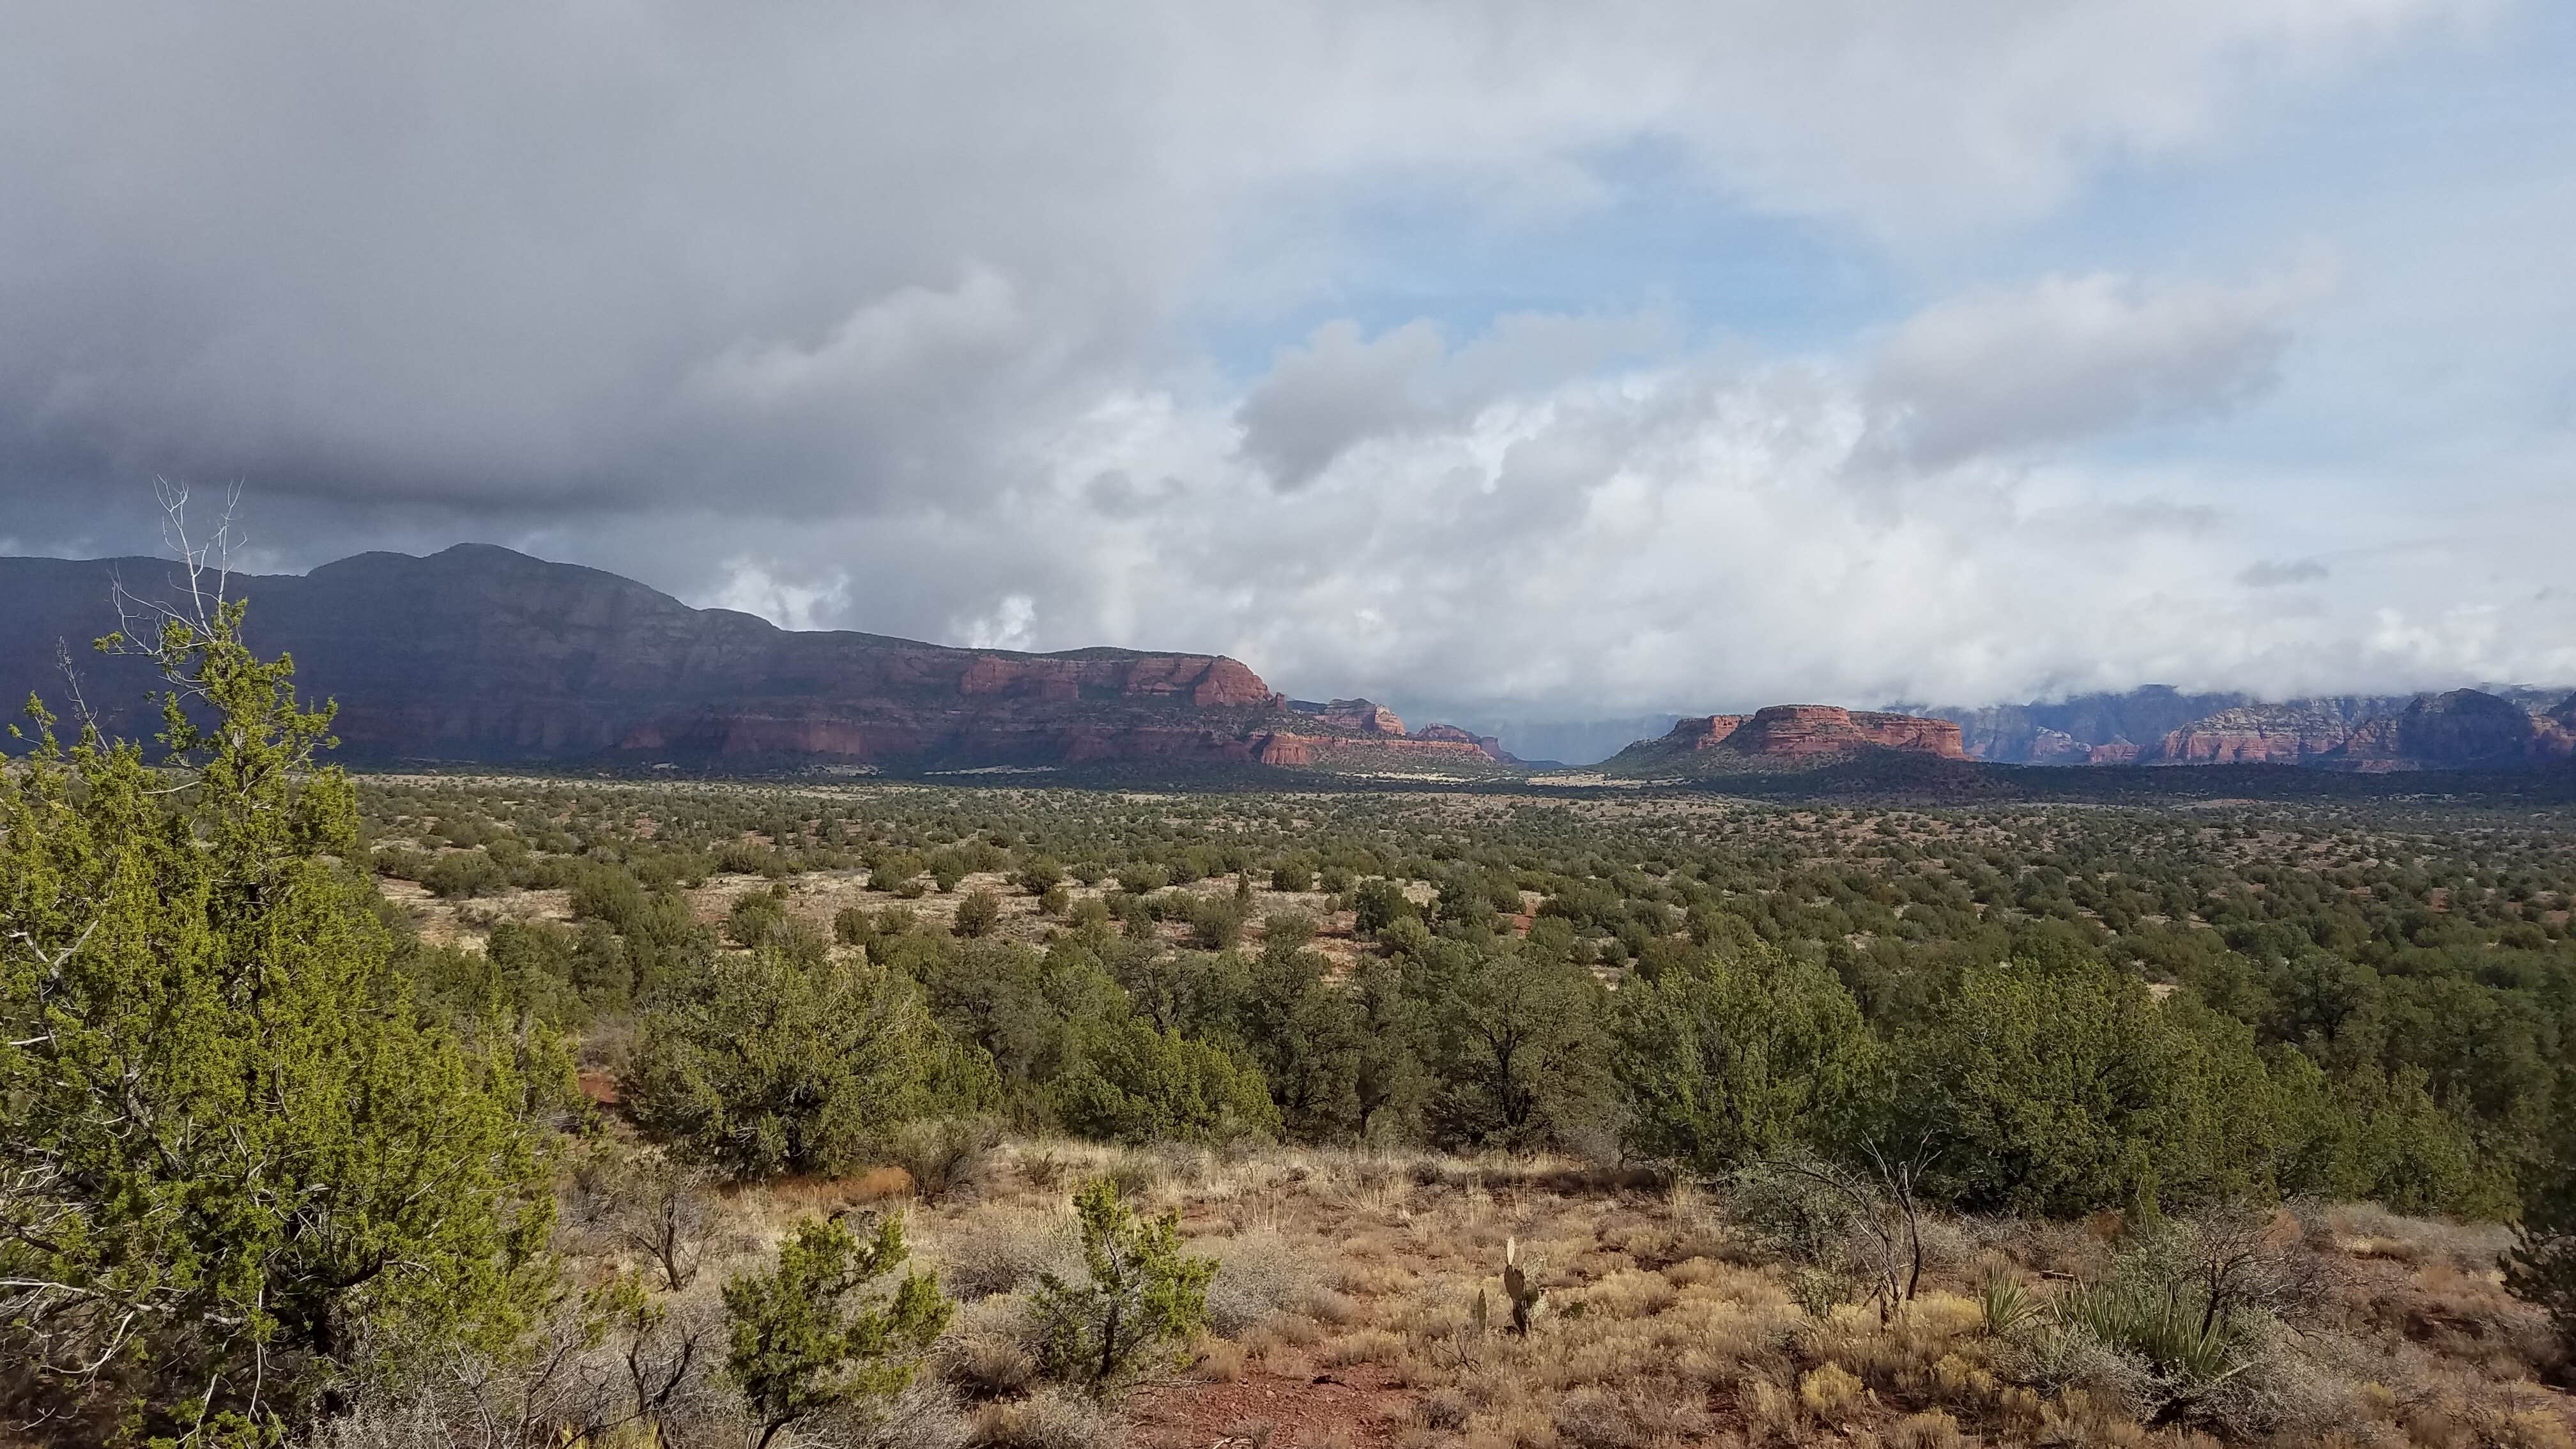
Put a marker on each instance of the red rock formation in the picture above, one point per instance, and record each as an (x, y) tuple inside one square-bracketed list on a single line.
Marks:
[(1700, 732), (1359, 716), (1792, 734), (1368, 752), (1491, 746), (2262, 734), (2057, 747), (1795, 731)]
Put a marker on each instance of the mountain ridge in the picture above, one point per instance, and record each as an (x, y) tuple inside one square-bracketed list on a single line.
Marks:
[(481, 654)]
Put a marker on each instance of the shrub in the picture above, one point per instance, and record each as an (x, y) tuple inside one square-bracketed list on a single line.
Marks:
[(1138, 1083), (978, 914), (943, 1154), (890, 870), (2060, 1089), (2541, 1268), (852, 926), (809, 1335), (1142, 1293), (1261, 1273), (1216, 925), (768, 1066), (1723, 1061), (1379, 904), (462, 873)]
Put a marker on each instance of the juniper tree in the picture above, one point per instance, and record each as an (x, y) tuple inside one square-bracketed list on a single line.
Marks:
[(1141, 1292), (809, 1334), (237, 1165)]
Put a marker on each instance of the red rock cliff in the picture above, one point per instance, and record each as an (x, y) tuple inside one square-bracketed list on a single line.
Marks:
[(1795, 731), (1792, 733)]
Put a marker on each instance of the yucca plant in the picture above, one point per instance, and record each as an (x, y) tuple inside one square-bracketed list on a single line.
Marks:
[(2189, 1348), (2007, 1306)]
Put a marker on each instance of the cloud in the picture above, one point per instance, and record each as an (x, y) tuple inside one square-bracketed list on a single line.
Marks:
[(1336, 391), (1179, 325), (1690, 534), (750, 587), (2275, 573), (1341, 389), (2071, 357), (904, 343)]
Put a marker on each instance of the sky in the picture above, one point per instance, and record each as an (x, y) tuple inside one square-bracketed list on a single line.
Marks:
[(1501, 361)]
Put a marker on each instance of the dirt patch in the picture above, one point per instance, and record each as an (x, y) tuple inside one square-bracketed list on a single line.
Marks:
[(1350, 1406)]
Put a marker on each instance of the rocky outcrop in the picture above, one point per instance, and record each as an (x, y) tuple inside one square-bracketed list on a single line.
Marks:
[(1491, 746), (1359, 716), (2464, 729), (1373, 753), (2261, 734), (482, 654), (1787, 736), (1705, 731), (1797, 731)]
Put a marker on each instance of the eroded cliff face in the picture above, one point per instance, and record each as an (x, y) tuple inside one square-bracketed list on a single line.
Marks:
[(1797, 731), (2262, 734), (1789, 736)]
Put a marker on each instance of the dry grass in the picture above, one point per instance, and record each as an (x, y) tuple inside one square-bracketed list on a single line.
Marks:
[(1660, 1326)]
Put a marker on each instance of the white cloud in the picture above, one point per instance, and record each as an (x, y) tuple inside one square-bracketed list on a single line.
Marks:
[(1011, 625), (751, 587), (2069, 357)]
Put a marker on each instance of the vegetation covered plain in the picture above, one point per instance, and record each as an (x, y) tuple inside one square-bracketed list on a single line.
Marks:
[(420, 1110)]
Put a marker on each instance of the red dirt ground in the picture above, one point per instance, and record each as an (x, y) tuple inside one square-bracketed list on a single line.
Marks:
[(1354, 1400)]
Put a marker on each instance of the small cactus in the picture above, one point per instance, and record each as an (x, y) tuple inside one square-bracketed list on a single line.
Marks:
[(1517, 1287)]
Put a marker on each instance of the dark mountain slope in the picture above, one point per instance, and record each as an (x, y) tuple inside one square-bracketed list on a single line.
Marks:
[(483, 654)]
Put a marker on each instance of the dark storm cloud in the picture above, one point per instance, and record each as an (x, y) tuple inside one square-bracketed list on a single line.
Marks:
[(894, 316)]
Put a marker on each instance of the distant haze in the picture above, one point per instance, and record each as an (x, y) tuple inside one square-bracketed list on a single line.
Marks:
[(1550, 368)]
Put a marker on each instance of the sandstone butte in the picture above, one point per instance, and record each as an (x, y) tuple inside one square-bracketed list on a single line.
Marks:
[(480, 654), (1362, 734), (1807, 731)]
